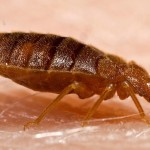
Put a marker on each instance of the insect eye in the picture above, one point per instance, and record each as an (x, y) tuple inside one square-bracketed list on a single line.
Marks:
[(148, 84)]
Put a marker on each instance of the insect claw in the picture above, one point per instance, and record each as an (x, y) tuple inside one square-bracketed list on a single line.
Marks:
[(146, 121), (29, 124), (84, 123)]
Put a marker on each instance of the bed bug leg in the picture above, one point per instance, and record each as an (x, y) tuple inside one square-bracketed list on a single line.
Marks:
[(136, 102), (50, 106), (96, 105)]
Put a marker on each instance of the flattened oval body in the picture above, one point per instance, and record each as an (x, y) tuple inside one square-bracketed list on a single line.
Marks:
[(48, 62)]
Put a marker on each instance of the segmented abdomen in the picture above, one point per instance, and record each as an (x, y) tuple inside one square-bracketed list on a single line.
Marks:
[(47, 51)]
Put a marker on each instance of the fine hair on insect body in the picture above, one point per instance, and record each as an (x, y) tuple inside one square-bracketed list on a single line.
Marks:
[(63, 65)]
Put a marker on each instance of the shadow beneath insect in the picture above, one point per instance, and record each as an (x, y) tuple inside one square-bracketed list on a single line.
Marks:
[(107, 109), (15, 112)]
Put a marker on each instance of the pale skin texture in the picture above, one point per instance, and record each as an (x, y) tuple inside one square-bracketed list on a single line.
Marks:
[(117, 27)]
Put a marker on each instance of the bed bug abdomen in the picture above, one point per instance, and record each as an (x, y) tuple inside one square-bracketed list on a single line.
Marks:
[(7, 43), (66, 53), (43, 51)]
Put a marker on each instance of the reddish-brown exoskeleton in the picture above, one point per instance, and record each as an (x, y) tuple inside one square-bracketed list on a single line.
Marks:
[(63, 65)]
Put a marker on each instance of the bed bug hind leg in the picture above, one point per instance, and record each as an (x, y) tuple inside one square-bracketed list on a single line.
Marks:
[(51, 105), (136, 102), (91, 112)]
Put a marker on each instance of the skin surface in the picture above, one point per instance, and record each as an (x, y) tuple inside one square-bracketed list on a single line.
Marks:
[(117, 27)]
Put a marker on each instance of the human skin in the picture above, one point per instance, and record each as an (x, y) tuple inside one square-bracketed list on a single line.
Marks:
[(117, 27)]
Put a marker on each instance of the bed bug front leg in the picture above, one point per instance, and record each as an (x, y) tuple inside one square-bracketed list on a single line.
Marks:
[(66, 91), (129, 89), (104, 94)]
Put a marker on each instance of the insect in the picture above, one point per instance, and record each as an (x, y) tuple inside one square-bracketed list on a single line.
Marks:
[(51, 63)]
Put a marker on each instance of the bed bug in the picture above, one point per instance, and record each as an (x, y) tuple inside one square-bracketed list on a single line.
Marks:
[(62, 65)]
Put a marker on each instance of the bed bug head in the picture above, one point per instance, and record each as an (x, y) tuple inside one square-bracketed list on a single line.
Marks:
[(139, 80)]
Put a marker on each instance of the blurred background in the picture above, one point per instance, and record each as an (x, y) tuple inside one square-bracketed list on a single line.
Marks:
[(114, 26)]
